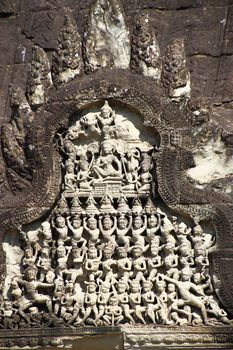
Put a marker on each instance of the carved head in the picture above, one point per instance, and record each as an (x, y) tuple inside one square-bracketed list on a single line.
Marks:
[(31, 273), (154, 248), (197, 278), (199, 249), (76, 252), (17, 96), (45, 252), (137, 223), (46, 229), (113, 300), (182, 227), (197, 230), (122, 222), (92, 252), (76, 222), (61, 251), (121, 252), (60, 222), (106, 110), (146, 163), (92, 223), (68, 146), (160, 285), (107, 222), (170, 261), (107, 147), (170, 246), (28, 251), (108, 251), (186, 274), (147, 286), (91, 288), (171, 288), (122, 286), (137, 251), (105, 287), (185, 249), (7, 305), (152, 221), (69, 166), (69, 287), (14, 284), (135, 286), (83, 164)]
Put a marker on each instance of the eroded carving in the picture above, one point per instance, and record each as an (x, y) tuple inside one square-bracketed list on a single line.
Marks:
[(67, 61), (39, 79), (14, 141), (145, 56), (175, 75), (106, 38)]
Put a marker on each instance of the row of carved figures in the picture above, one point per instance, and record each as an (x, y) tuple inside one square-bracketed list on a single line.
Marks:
[(165, 301), (111, 262)]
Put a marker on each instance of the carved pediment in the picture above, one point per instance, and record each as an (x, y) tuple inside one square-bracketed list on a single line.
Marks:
[(105, 221)]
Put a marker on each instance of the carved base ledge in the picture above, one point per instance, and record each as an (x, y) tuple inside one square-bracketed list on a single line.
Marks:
[(127, 337)]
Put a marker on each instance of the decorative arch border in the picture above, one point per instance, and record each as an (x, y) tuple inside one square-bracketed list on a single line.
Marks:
[(178, 194)]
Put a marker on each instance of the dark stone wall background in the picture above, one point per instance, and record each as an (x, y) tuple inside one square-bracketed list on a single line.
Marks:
[(206, 26)]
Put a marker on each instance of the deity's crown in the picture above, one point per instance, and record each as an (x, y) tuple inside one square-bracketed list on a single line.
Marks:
[(106, 107), (138, 218), (138, 245), (91, 219), (121, 217), (106, 217), (92, 247), (31, 268), (60, 218), (152, 218), (109, 247), (186, 271), (197, 228), (147, 283)]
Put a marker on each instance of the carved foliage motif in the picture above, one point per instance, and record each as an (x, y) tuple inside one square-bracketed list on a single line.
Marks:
[(67, 57), (145, 56), (175, 76), (39, 79)]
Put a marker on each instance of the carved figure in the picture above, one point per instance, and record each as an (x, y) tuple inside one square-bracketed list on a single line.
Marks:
[(123, 227), (31, 286), (77, 230), (107, 166), (185, 288), (90, 225)]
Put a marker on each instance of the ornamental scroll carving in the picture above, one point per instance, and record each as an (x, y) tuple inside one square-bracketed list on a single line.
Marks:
[(108, 254)]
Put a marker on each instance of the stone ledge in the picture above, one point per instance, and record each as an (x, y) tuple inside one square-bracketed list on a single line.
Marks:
[(126, 337)]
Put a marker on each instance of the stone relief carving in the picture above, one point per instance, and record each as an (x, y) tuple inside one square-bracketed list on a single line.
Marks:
[(14, 141), (175, 76), (145, 55), (67, 57), (106, 38), (108, 254), (39, 80)]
